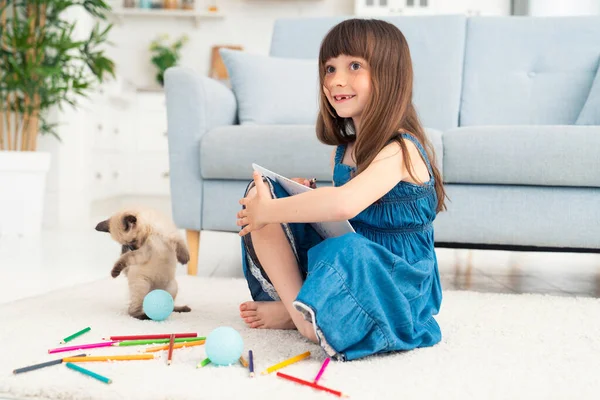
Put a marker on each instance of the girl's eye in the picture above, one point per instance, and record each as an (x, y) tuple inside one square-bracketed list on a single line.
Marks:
[(354, 66), (329, 69)]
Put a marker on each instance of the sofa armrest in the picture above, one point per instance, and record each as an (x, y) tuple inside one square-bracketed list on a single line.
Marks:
[(195, 105)]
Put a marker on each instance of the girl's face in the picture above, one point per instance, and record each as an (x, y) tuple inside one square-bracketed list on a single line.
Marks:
[(347, 85)]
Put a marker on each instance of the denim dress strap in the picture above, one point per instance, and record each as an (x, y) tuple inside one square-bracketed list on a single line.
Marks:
[(420, 148), (339, 153)]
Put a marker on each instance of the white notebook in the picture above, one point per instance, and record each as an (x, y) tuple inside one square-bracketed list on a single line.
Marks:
[(325, 229)]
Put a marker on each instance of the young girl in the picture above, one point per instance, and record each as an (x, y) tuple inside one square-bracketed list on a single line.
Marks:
[(378, 289)]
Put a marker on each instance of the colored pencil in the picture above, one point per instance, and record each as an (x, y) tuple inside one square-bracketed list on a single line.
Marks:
[(170, 356), (203, 363), (41, 365), (243, 362), (325, 364), (285, 363), (73, 336), (81, 346), (110, 358), (157, 336), (155, 341), (175, 346), (251, 363), (88, 372), (312, 385)]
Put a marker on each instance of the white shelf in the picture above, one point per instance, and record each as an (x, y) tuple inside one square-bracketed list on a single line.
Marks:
[(123, 13)]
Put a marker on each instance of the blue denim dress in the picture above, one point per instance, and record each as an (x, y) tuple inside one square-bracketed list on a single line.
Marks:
[(369, 292)]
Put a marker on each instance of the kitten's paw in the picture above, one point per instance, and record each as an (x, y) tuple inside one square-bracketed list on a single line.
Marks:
[(182, 309), (116, 271), (141, 316), (183, 256)]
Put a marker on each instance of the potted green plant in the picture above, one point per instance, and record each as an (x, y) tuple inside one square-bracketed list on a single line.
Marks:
[(44, 65), (165, 55)]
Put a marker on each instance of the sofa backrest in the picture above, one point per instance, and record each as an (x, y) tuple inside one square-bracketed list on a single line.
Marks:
[(527, 70), (437, 50)]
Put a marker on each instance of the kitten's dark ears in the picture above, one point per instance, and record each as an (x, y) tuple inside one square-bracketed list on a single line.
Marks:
[(102, 226), (129, 221)]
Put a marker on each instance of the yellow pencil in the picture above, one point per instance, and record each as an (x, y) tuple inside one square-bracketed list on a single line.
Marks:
[(175, 346), (285, 363), (110, 358)]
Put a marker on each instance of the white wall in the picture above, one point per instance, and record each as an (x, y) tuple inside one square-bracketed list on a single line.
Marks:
[(246, 22), (543, 8)]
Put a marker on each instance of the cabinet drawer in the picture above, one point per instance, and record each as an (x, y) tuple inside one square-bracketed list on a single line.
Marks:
[(151, 174), (108, 175), (151, 132), (151, 101)]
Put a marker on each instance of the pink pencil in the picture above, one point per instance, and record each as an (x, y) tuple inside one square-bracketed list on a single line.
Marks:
[(325, 363), (81, 346)]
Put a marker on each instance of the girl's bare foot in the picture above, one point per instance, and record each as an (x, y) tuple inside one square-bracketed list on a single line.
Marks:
[(266, 315)]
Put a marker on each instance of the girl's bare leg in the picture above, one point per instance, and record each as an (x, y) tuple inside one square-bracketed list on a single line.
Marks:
[(277, 259)]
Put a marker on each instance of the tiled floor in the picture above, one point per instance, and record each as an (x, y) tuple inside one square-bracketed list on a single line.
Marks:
[(59, 259)]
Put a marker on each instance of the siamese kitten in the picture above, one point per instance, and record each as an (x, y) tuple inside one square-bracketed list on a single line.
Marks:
[(150, 249)]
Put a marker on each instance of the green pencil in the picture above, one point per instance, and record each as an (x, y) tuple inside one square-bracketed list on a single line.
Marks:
[(88, 372), (73, 336), (153, 341), (203, 363)]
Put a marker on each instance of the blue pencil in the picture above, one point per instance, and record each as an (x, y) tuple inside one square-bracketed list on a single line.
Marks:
[(88, 372), (251, 363), (42, 365)]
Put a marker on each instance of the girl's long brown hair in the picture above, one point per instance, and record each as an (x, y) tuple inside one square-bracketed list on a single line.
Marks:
[(390, 109)]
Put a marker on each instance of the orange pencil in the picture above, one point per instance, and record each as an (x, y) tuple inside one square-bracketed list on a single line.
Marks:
[(175, 346), (110, 358), (243, 362), (171, 341)]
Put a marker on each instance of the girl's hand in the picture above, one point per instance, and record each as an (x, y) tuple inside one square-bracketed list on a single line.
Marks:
[(253, 217), (311, 183)]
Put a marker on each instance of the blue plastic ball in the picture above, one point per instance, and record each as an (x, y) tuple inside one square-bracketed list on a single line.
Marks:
[(224, 346), (158, 305)]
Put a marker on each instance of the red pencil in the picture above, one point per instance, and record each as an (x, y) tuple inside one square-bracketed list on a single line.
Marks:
[(171, 349), (312, 385), (159, 336)]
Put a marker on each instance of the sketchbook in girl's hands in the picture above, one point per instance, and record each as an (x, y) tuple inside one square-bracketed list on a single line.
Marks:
[(325, 229)]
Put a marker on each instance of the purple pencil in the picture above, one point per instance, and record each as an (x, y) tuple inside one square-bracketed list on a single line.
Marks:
[(81, 346), (325, 363)]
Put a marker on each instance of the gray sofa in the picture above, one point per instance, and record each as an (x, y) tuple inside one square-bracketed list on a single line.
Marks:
[(509, 103)]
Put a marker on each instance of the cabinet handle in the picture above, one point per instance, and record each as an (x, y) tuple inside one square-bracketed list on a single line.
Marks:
[(165, 174), (115, 174), (166, 134), (116, 131), (99, 127), (98, 175)]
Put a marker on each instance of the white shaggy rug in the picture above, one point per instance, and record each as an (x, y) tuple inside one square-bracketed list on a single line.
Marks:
[(494, 347)]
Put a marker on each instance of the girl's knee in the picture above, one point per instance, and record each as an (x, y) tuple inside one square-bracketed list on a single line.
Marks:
[(251, 192), (275, 189)]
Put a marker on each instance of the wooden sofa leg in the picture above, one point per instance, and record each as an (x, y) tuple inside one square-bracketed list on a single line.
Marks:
[(193, 242)]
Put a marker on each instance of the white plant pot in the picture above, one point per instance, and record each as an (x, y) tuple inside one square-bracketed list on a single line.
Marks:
[(22, 189)]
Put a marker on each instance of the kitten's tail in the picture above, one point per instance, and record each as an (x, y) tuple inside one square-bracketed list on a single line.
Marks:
[(182, 309)]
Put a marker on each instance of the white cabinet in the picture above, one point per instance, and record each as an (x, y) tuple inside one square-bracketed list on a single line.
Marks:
[(129, 146), (151, 162), (110, 134)]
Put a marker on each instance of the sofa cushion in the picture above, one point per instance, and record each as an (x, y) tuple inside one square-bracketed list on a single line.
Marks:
[(228, 152), (437, 50), (271, 90), (528, 71), (523, 155), (590, 113)]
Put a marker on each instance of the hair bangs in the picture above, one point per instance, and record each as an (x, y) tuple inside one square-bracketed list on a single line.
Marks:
[(351, 38)]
